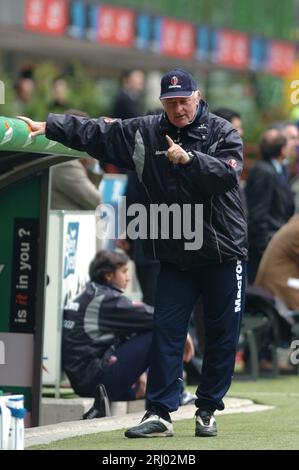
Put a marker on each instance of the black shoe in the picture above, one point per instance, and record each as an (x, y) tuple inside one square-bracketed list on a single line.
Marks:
[(100, 408), (155, 423), (205, 423)]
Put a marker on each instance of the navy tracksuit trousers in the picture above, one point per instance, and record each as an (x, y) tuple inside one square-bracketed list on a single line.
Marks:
[(222, 287), (132, 360)]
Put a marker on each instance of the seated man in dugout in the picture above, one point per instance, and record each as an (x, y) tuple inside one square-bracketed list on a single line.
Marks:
[(107, 337)]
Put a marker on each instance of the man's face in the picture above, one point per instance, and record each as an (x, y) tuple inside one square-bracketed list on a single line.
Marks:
[(181, 111), (292, 134), (135, 82)]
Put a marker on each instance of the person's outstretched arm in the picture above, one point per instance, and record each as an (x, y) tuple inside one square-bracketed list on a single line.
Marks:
[(108, 140)]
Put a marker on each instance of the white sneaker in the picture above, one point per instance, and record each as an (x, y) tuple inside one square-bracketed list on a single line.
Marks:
[(205, 424), (152, 425)]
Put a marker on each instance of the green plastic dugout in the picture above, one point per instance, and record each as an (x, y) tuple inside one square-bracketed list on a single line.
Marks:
[(24, 207)]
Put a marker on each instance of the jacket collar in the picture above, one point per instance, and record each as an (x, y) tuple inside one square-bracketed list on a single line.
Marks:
[(106, 286)]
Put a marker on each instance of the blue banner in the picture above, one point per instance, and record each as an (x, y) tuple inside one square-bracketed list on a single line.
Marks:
[(77, 19), (143, 31), (203, 43), (92, 22), (71, 248), (258, 53), (214, 41), (112, 187), (156, 38)]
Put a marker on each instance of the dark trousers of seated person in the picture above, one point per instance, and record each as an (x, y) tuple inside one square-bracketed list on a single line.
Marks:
[(133, 359)]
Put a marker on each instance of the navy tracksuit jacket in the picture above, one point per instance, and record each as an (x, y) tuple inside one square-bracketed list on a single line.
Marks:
[(216, 270)]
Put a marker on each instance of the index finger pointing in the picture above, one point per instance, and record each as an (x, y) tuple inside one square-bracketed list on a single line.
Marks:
[(169, 141), (25, 119)]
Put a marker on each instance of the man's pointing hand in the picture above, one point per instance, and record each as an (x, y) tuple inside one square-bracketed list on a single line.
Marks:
[(175, 153)]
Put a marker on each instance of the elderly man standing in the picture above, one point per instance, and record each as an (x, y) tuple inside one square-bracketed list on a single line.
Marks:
[(190, 159)]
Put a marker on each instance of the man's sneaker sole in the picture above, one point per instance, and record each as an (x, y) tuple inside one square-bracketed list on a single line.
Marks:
[(205, 433), (149, 429)]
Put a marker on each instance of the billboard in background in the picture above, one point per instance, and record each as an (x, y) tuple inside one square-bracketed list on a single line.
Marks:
[(281, 58), (71, 248), (34, 14), (68, 261), (116, 26), (125, 27), (24, 275), (177, 39), (232, 49), (46, 16)]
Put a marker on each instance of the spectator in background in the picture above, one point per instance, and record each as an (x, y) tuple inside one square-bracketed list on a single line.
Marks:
[(231, 116), (25, 88), (71, 187), (270, 201), (278, 273), (127, 104), (291, 133), (60, 95), (280, 262)]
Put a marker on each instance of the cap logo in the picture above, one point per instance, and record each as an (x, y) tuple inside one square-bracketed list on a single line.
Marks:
[(174, 80)]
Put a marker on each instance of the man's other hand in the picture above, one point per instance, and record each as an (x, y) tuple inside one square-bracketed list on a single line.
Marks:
[(142, 381), (189, 349)]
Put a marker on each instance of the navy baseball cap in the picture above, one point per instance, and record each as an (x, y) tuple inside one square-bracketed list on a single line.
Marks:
[(177, 84)]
